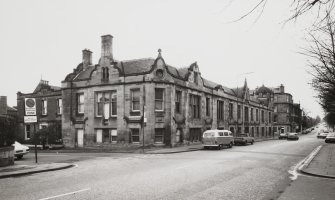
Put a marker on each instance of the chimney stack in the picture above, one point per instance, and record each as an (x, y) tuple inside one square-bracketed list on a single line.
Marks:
[(106, 47), (281, 88), (3, 105), (87, 58)]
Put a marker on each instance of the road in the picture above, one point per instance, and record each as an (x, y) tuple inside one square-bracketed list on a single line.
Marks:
[(258, 171)]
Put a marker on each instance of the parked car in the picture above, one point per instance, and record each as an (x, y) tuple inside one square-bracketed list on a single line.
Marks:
[(330, 138), (217, 139), (244, 139), (306, 131), (282, 136), (20, 150), (322, 134), (292, 136)]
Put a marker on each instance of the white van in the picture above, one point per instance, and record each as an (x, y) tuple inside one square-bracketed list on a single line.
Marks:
[(217, 138)]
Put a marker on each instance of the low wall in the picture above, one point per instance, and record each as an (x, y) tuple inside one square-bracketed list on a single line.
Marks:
[(6, 156)]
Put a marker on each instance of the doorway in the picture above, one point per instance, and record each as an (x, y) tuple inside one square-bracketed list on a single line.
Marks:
[(80, 137)]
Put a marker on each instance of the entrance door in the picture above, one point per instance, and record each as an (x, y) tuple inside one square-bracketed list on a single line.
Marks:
[(80, 137), (99, 135)]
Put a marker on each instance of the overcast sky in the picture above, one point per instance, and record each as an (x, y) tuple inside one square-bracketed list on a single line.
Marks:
[(42, 38)]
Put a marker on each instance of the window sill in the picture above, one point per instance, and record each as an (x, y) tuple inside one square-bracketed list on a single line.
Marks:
[(135, 142)]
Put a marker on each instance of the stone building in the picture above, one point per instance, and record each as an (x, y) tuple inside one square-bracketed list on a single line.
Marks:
[(148, 102), (287, 115), (6, 110), (48, 111)]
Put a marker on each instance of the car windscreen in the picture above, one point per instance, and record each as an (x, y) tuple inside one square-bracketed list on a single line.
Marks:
[(241, 135), (209, 134)]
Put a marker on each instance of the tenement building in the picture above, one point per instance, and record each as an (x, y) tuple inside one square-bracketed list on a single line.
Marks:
[(148, 102), (48, 112), (287, 114)]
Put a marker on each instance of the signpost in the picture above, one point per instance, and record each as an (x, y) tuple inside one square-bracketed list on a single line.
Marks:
[(31, 118)]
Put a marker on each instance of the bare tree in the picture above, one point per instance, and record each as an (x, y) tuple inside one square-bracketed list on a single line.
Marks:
[(299, 8), (321, 58)]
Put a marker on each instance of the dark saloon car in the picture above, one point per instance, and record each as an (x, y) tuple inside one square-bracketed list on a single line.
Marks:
[(292, 136), (330, 138)]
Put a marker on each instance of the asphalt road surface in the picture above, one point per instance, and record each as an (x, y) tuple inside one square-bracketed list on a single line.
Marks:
[(259, 171)]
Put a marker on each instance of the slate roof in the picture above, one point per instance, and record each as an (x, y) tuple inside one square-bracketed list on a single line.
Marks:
[(11, 109), (137, 66), (239, 92), (45, 86), (85, 74), (144, 66)]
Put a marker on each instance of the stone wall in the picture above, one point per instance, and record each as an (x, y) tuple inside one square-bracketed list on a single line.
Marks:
[(6, 156)]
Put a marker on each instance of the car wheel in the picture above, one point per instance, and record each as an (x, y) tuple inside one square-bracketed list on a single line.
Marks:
[(245, 143), (231, 145), (205, 147), (19, 157), (252, 142)]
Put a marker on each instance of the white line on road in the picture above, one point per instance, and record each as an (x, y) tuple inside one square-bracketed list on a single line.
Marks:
[(294, 171), (69, 193)]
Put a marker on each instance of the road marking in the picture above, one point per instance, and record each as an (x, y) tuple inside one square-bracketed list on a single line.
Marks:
[(65, 194), (294, 171)]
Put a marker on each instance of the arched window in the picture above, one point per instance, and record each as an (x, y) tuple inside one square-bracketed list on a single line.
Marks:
[(105, 73)]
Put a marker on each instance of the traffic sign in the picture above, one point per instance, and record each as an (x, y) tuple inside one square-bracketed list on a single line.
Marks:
[(30, 106), (30, 119)]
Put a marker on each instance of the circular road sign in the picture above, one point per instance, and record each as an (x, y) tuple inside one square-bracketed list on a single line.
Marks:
[(30, 103)]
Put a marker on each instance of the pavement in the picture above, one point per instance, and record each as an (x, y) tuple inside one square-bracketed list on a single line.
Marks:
[(20, 170), (321, 165)]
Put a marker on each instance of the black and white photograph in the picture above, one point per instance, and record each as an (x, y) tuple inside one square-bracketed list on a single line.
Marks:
[(167, 99)]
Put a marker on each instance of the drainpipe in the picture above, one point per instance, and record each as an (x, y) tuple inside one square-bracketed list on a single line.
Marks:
[(143, 106)]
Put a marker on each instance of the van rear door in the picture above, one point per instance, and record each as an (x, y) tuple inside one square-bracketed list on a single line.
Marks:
[(208, 138)]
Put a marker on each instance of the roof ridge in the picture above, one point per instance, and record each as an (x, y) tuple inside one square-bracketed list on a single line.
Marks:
[(138, 59)]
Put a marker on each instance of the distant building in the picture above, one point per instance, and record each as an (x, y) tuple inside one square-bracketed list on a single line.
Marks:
[(48, 110), (146, 101), (8, 119), (5, 110), (287, 115)]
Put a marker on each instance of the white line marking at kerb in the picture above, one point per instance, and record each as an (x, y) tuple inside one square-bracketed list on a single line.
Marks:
[(294, 171), (69, 193)]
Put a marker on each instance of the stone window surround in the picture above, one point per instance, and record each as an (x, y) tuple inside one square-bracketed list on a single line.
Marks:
[(111, 102), (44, 107), (59, 106), (160, 100), (132, 91), (80, 104)]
